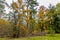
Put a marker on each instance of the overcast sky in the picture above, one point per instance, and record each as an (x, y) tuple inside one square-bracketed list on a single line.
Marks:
[(41, 2)]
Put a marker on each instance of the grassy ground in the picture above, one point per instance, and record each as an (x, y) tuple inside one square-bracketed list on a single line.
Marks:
[(56, 37)]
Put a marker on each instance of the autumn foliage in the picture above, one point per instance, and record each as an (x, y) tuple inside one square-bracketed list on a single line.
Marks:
[(25, 20)]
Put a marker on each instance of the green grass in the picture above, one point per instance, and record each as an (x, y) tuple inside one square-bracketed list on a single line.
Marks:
[(48, 37)]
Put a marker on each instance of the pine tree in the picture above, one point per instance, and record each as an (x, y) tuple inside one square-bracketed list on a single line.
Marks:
[(33, 6)]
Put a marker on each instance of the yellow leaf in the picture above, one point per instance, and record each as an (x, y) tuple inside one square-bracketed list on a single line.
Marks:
[(20, 1)]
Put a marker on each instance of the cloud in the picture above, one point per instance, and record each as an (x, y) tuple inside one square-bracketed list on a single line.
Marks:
[(41, 2), (47, 2)]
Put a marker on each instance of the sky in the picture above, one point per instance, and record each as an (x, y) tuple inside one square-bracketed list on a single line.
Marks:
[(41, 2)]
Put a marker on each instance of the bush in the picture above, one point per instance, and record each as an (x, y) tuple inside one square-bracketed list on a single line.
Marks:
[(5, 29)]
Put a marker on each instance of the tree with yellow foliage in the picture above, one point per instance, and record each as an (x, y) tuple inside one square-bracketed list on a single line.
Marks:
[(24, 12), (43, 19)]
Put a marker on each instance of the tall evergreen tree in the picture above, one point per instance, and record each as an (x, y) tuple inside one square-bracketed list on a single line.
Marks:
[(33, 6)]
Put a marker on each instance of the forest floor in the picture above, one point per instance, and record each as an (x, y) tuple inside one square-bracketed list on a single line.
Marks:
[(48, 37)]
